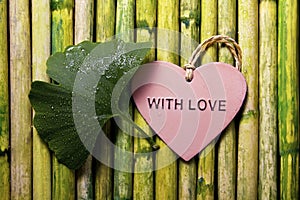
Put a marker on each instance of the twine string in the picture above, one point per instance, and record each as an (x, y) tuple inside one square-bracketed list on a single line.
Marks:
[(231, 45)]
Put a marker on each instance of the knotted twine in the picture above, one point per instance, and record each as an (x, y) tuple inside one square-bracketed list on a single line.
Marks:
[(230, 43)]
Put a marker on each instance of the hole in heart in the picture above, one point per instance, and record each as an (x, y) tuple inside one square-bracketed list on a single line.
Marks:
[(188, 80)]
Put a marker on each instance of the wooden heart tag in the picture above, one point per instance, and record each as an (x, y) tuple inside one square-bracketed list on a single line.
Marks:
[(188, 115)]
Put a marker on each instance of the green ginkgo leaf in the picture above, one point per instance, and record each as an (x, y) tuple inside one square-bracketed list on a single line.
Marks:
[(85, 76)]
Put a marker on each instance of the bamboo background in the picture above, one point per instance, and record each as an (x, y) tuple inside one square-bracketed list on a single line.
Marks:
[(257, 156)]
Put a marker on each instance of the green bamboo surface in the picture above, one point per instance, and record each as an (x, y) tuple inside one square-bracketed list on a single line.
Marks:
[(40, 53), (84, 13), (123, 181), (288, 98), (105, 19), (143, 183), (267, 100), (125, 13), (104, 175), (258, 154), (105, 28), (4, 175), (4, 104), (189, 24), (206, 166), (20, 80), (145, 21), (227, 146), (247, 171), (167, 18), (63, 179)]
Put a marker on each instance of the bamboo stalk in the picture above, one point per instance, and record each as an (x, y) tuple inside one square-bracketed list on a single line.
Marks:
[(20, 79), (40, 53), (145, 21), (248, 127), (143, 187), (288, 98), (62, 24), (85, 188), (189, 18), (227, 146), (105, 26), (125, 19), (167, 18), (123, 181), (105, 19), (189, 25), (104, 174), (4, 105), (227, 163), (187, 179), (84, 20), (267, 100), (84, 11), (206, 165), (4, 175), (63, 179)]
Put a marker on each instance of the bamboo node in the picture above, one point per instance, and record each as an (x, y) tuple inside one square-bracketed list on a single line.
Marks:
[(291, 151), (230, 43)]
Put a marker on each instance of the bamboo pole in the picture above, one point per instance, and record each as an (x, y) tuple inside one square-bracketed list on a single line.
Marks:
[(84, 11), (40, 53), (187, 179), (4, 105), (125, 19), (104, 174), (4, 175), (267, 100), (248, 127), (105, 26), (20, 79), (143, 184), (62, 24), (84, 20), (227, 146), (167, 18), (189, 18), (85, 188), (105, 19), (206, 165), (288, 98), (145, 21), (143, 187), (63, 179), (123, 181)]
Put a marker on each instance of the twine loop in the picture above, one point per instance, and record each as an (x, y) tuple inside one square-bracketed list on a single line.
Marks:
[(230, 43)]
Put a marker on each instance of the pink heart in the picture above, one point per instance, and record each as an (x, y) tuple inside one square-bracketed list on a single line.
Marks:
[(187, 116)]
